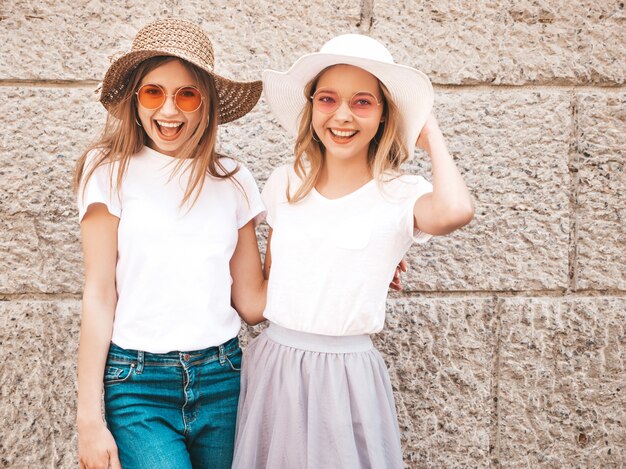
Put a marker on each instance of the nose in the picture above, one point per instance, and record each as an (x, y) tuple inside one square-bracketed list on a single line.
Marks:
[(169, 106), (343, 112)]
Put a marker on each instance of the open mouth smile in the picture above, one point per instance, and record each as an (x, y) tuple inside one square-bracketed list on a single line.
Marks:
[(342, 136), (168, 130)]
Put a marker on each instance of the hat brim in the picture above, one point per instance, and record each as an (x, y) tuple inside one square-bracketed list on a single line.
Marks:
[(235, 99), (410, 90)]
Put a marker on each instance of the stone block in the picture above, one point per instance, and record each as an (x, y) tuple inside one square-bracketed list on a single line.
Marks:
[(49, 128), (440, 352), (480, 42), (65, 40), (601, 211), (38, 344), (43, 254), (515, 43), (502, 249), (258, 141), (57, 40), (561, 382), (512, 148), (252, 36)]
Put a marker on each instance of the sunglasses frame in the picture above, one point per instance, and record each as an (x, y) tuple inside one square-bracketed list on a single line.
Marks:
[(167, 95), (378, 103)]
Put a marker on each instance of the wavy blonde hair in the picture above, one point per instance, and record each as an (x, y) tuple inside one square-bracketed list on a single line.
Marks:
[(386, 152), (122, 137)]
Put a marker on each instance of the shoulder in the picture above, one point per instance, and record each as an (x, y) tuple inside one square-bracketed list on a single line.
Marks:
[(283, 175), (96, 164), (227, 164), (282, 172), (281, 179), (405, 185), (410, 180), (96, 157), (241, 179)]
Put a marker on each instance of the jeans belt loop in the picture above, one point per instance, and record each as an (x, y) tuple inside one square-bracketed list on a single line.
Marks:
[(222, 355), (140, 361)]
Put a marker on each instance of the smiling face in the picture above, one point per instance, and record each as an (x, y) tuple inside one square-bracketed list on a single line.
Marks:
[(346, 133), (167, 127)]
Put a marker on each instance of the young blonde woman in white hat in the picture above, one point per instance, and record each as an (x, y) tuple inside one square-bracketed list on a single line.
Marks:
[(165, 223), (315, 392)]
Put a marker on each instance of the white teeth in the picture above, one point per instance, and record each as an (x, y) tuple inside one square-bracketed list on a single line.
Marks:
[(169, 124), (343, 133)]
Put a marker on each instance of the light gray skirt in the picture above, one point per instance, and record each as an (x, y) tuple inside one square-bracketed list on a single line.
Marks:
[(313, 401)]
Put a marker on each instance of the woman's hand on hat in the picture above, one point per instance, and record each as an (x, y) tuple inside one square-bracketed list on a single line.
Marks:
[(430, 133)]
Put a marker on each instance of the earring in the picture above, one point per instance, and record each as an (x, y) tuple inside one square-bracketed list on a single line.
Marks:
[(138, 123), (313, 133)]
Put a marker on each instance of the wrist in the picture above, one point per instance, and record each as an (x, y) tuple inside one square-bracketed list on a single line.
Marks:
[(430, 138), (435, 145), (88, 420)]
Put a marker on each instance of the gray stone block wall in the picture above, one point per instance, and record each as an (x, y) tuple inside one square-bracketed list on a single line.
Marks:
[(507, 347)]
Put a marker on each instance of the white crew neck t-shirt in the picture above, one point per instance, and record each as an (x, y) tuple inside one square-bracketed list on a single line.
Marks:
[(172, 275), (333, 259)]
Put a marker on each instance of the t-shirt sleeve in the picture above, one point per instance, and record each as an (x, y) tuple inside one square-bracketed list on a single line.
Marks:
[(99, 188), (251, 205), (274, 192), (418, 186)]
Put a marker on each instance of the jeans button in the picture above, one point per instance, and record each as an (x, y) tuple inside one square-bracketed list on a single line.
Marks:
[(186, 357)]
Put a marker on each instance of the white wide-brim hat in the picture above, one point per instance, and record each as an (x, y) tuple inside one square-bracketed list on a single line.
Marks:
[(410, 89)]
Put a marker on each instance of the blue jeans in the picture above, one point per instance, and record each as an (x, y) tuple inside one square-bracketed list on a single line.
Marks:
[(173, 410)]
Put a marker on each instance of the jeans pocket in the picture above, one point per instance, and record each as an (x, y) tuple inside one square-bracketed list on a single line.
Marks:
[(118, 373), (234, 360)]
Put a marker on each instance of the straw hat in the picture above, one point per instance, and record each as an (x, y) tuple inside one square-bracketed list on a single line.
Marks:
[(410, 89), (178, 38)]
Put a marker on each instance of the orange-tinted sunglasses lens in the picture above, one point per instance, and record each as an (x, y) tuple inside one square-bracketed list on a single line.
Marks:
[(187, 98), (151, 96)]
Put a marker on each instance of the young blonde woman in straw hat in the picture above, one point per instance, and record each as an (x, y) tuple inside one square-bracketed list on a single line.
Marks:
[(165, 223), (315, 392)]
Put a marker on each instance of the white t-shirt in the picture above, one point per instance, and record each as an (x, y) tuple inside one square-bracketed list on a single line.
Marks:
[(172, 276), (332, 260)]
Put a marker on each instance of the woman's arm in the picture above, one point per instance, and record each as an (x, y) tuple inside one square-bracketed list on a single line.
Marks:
[(450, 205), (96, 446), (249, 288)]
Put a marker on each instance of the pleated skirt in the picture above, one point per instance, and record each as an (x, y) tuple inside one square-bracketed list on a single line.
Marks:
[(310, 401)]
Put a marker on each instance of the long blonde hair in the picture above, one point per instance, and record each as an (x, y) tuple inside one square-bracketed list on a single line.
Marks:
[(386, 152), (122, 137)]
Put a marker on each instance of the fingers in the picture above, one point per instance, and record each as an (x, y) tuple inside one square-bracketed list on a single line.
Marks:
[(114, 460), (396, 284), (103, 464)]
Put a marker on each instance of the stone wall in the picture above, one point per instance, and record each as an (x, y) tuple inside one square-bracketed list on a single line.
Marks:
[(508, 347)]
